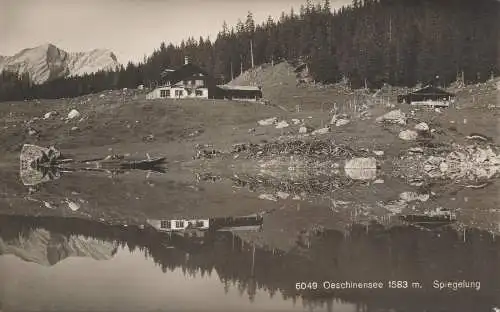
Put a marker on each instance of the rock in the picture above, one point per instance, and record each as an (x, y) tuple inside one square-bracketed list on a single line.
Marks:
[(296, 121), (378, 153), (296, 197), (412, 196), (321, 131), (378, 181), (422, 127), (32, 132), (72, 205), (342, 122), (395, 116), (416, 150), (282, 195), (75, 129), (102, 95), (437, 110), (50, 114), (408, 135), (303, 130), (361, 168), (73, 114), (443, 167), (268, 197), (282, 124), (268, 122)]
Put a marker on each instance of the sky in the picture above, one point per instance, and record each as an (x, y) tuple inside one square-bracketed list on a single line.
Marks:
[(129, 28)]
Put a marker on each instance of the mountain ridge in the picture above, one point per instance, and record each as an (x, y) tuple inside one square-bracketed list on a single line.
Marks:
[(47, 62), (48, 249)]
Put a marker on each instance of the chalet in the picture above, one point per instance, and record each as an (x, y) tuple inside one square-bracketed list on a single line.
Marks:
[(246, 223), (246, 93), (180, 224), (428, 96), (190, 81)]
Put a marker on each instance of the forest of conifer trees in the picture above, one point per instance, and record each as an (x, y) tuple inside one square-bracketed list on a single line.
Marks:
[(400, 42)]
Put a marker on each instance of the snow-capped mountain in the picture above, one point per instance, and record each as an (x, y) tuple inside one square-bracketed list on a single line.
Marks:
[(45, 248), (47, 62)]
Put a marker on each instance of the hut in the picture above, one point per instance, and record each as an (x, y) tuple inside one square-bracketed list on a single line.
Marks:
[(428, 96)]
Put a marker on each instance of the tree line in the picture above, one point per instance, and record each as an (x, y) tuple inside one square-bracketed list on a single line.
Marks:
[(371, 42)]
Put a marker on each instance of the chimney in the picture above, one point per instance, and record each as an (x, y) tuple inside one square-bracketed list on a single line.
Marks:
[(186, 60)]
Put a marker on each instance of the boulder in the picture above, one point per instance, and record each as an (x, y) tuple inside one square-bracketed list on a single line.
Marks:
[(395, 116), (408, 135), (423, 127), (342, 122), (268, 122), (73, 114), (321, 131), (282, 124), (361, 168)]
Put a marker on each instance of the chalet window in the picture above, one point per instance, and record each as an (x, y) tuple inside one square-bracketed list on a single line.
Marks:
[(179, 224), (164, 93), (199, 82), (199, 223), (198, 93), (178, 93), (165, 224)]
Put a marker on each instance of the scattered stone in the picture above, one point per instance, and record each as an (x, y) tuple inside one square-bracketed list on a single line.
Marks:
[(296, 121), (412, 196), (50, 114), (282, 124), (395, 116), (102, 95), (75, 129), (422, 127), (321, 131), (296, 197), (32, 132), (268, 122), (268, 197), (416, 150), (408, 135), (72, 205), (378, 181), (443, 167), (282, 195), (73, 114), (378, 153), (149, 138), (437, 110), (342, 122)]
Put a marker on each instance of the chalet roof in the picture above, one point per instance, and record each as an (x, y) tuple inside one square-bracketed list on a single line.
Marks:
[(186, 70), (430, 90)]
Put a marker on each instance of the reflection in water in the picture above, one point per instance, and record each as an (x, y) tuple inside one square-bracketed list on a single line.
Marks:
[(365, 253)]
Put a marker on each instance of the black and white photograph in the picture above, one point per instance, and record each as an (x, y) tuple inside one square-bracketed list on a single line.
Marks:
[(256, 156)]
